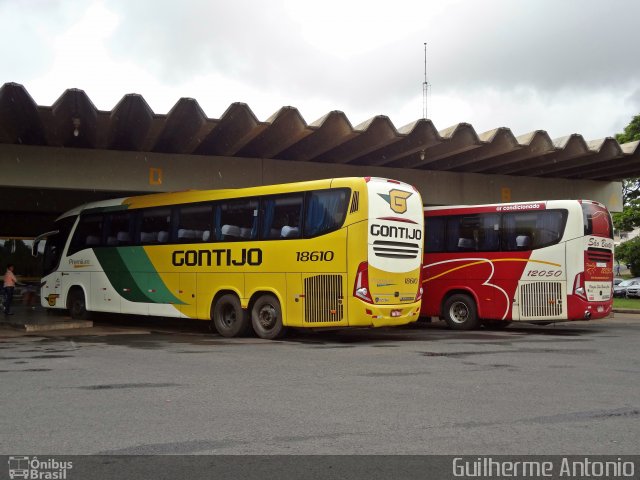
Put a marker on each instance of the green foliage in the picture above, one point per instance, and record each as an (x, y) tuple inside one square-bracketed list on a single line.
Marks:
[(631, 132), (629, 218), (19, 253), (629, 253)]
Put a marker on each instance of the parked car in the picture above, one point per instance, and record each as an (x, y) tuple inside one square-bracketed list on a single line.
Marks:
[(621, 290), (633, 291), (617, 281)]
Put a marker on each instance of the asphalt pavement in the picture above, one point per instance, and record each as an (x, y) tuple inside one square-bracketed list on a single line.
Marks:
[(145, 386)]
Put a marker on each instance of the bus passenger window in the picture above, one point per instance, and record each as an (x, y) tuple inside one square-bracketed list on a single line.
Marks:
[(281, 217), (88, 233), (153, 222), (237, 220), (119, 228), (325, 211), (195, 223), (532, 230), (434, 234)]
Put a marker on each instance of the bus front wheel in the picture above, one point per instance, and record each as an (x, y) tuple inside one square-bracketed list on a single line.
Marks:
[(77, 305), (460, 312), (228, 317), (266, 317)]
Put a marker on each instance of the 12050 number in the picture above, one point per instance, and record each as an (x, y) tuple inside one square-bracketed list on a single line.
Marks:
[(315, 256)]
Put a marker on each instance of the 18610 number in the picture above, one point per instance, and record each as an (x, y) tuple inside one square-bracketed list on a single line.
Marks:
[(315, 256)]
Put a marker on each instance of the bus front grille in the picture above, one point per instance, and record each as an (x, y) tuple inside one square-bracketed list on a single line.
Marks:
[(541, 300), (323, 299), (386, 249)]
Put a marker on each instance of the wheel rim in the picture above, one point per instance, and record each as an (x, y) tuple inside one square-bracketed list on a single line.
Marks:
[(77, 305), (228, 317), (267, 317), (459, 312)]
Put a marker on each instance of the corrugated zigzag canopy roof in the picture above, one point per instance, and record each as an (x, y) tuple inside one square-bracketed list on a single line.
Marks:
[(133, 126)]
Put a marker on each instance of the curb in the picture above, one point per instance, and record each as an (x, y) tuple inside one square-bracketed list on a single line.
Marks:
[(626, 310), (44, 327)]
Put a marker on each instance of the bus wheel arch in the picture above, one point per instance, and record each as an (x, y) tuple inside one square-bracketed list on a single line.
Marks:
[(460, 310), (228, 318), (77, 303), (266, 315)]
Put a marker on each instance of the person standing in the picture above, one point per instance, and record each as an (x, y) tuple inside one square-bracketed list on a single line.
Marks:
[(9, 286)]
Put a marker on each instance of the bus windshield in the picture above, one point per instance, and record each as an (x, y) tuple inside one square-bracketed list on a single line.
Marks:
[(55, 244)]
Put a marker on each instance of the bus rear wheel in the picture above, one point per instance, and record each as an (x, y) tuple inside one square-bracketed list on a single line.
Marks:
[(266, 317), (77, 305), (460, 312), (228, 317)]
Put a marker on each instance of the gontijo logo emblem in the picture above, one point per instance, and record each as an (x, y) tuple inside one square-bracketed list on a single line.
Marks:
[(397, 200)]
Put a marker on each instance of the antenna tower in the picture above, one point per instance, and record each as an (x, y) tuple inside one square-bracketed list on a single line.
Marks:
[(425, 85)]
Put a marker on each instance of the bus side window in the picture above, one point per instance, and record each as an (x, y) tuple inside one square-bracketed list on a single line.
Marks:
[(195, 223), (532, 230), (88, 233), (453, 233), (434, 235), (281, 217), (238, 219), (119, 229), (325, 211), (155, 223)]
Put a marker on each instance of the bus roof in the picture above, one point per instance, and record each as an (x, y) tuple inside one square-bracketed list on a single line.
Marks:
[(195, 196), (506, 207)]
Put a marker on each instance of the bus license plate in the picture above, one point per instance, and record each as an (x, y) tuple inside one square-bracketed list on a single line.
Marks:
[(600, 309), (396, 313)]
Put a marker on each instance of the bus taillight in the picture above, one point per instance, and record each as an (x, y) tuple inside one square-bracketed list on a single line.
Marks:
[(361, 286), (578, 286)]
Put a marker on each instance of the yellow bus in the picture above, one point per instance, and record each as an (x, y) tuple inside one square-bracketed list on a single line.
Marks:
[(341, 252)]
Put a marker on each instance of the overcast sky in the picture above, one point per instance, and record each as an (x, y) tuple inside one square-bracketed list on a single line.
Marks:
[(565, 66)]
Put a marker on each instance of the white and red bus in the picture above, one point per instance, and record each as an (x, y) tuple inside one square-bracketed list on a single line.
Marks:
[(537, 262)]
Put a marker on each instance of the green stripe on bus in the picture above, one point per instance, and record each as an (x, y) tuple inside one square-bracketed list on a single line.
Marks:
[(132, 275)]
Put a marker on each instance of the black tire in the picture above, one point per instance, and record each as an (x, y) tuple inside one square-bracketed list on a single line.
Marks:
[(77, 304), (266, 317), (496, 324), (228, 317), (460, 312)]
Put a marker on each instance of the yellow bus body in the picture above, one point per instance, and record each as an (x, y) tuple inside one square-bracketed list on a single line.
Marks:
[(312, 278)]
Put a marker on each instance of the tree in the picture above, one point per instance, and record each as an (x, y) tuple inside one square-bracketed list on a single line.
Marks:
[(19, 253), (629, 253), (631, 132), (629, 218)]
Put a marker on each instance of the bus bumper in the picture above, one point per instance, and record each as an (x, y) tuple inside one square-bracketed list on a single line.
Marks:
[(386, 315), (580, 309)]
